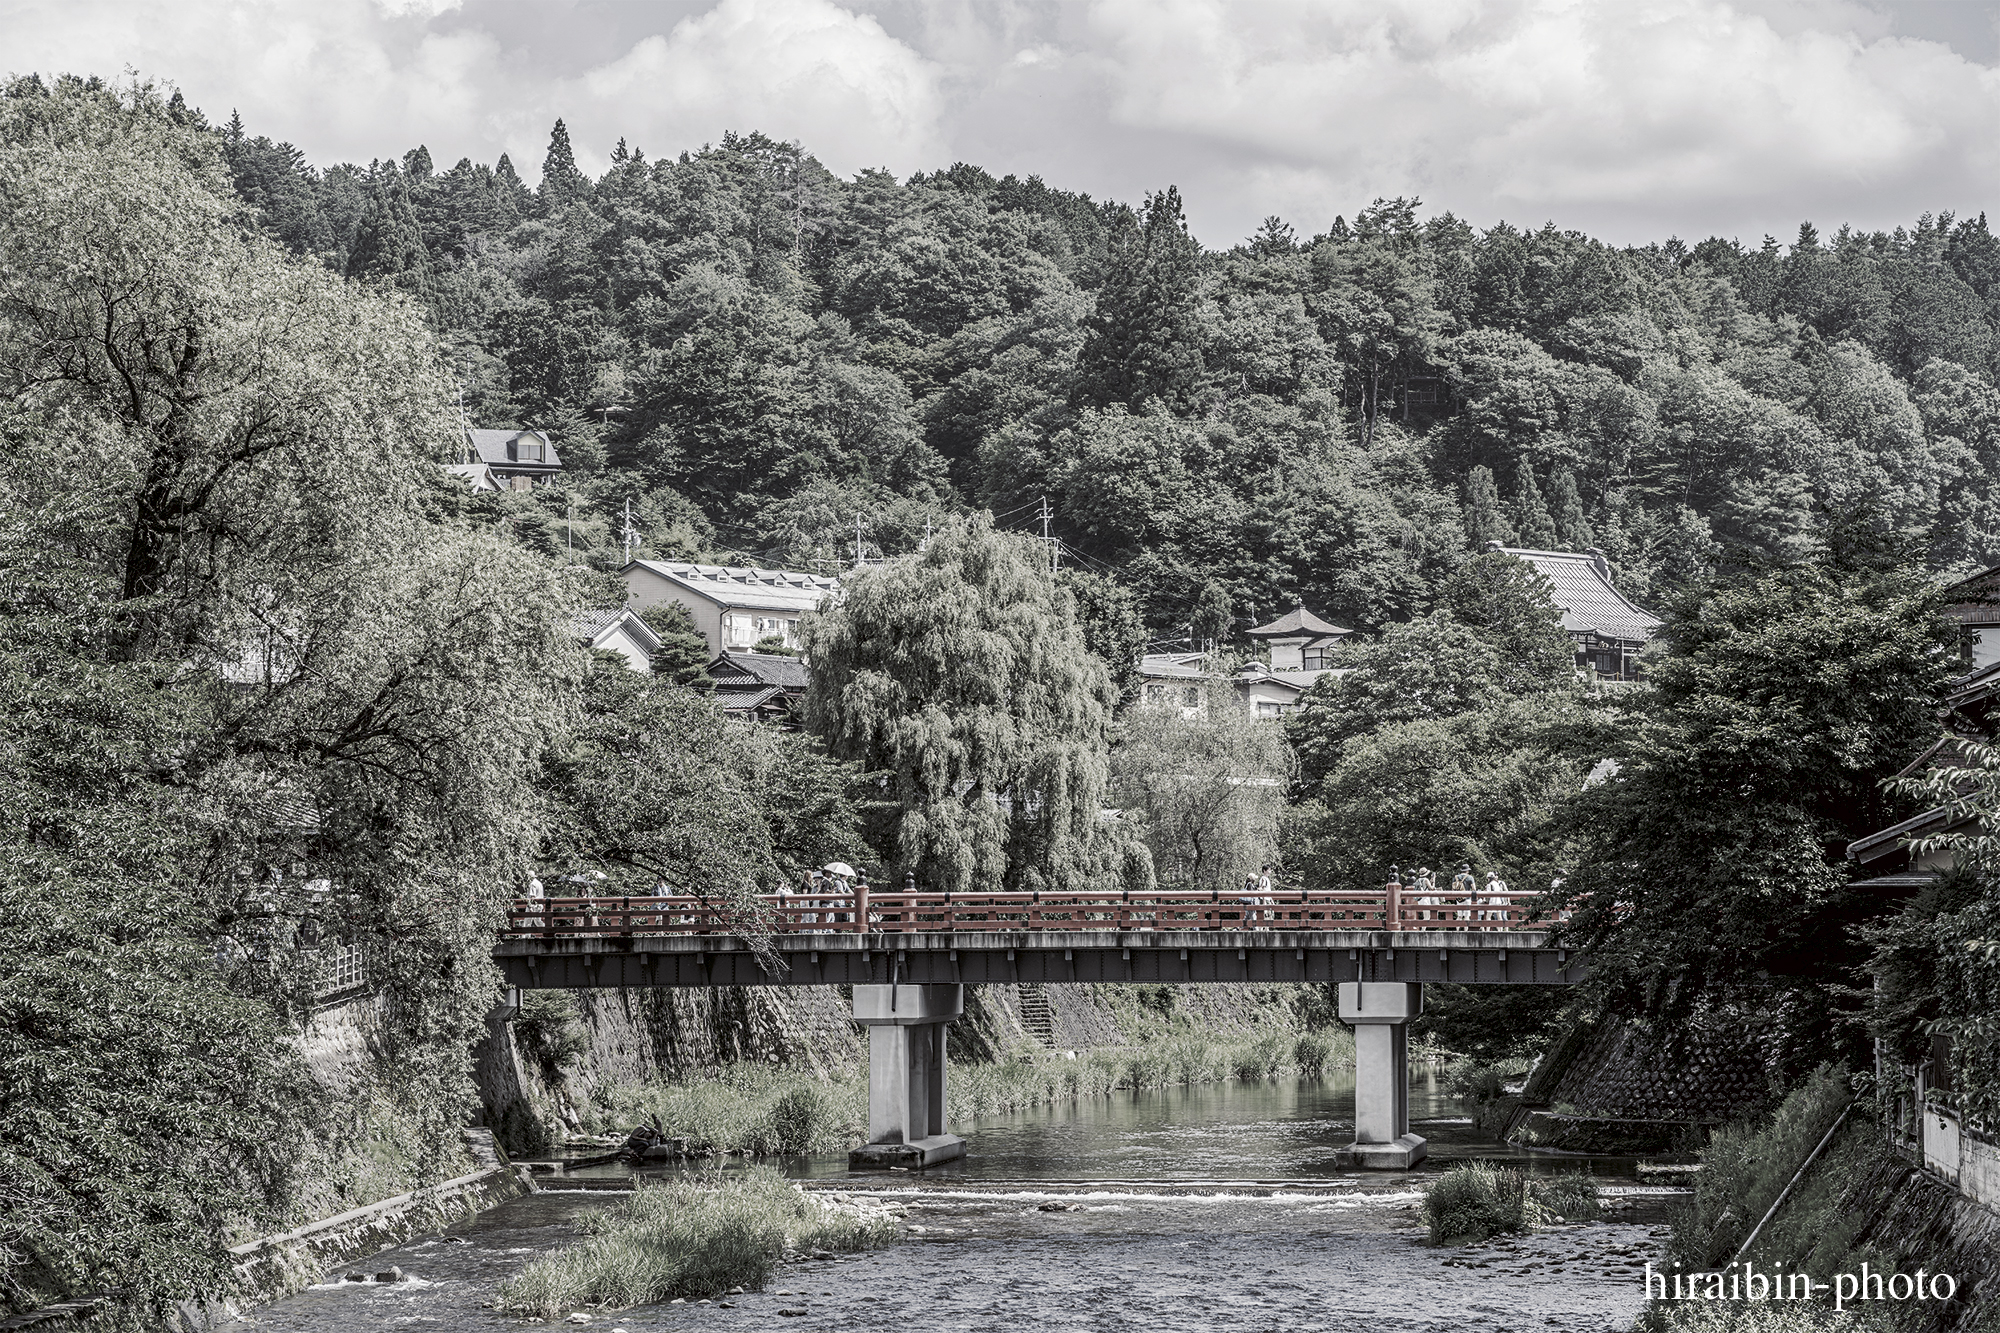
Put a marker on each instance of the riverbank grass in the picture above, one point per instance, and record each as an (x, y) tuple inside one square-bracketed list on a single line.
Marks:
[(691, 1239), (1477, 1202), (744, 1108)]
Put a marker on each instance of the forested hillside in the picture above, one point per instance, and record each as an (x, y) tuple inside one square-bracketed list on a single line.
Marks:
[(761, 356)]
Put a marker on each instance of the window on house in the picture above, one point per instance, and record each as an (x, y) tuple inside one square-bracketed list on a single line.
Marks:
[(1155, 693), (1267, 709), (1190, 697), (527, 449)]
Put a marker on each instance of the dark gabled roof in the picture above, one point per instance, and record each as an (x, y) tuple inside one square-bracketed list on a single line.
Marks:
[(491, 446), (1580, 583), (1973, 686), (1293, 624), (1974, 601), (747, 700), (785, 673), (1895, 838)]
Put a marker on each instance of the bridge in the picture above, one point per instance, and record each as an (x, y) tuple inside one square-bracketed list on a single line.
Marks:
[(909, 955)]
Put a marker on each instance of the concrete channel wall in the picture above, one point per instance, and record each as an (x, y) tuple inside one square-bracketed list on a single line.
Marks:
[(1961, 1157)]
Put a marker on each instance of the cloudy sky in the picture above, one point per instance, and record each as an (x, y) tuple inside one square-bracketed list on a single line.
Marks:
[(1631, 119)]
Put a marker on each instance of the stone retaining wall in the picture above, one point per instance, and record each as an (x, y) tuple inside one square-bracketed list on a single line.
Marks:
[(1612, 1082), (276, 1266)]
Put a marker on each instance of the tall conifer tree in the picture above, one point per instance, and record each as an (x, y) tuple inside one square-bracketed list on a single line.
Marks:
[(1531, 515), (1485, 520), (1145, 339), (1572, 527), (561, 181)]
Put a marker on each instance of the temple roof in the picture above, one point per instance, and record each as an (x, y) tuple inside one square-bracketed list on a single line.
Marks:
[(1580, 583), (1296, 624)]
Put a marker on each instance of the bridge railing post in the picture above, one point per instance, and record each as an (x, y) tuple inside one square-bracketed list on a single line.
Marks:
[(861, 909)]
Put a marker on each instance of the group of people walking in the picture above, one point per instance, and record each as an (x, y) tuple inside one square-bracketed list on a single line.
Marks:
[(1464, 900)]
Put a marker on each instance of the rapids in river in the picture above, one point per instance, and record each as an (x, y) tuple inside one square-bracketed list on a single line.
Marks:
[(1176, 1211)]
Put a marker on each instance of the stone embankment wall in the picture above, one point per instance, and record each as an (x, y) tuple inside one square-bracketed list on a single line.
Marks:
[(276, 1266), (1613, 1086), (1869, 1201)]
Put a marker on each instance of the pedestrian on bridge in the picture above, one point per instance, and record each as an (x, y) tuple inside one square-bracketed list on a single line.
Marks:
[(1249, 900), (1425, 886), (1464, 889), (1496, 896)]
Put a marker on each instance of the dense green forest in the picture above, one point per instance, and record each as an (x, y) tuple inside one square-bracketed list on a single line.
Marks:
[(761, 356)]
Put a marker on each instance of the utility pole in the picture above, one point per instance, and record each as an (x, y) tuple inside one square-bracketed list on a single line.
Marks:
[(1048, 542), (857, 541), (569, 525), (629, 534)]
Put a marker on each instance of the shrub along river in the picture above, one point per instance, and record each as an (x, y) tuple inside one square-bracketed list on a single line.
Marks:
[(1174, 1211)]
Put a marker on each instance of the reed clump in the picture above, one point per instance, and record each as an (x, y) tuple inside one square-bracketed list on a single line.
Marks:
[(690, 1239), (1478, 1201)]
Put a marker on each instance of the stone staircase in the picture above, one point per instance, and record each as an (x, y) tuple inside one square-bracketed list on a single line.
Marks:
[(1038, 1016)]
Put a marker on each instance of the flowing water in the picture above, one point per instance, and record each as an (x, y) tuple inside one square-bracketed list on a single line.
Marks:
[(1177, 1211)]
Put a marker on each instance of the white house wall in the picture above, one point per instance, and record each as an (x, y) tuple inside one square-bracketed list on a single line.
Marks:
[(648, 589), (619, 641)]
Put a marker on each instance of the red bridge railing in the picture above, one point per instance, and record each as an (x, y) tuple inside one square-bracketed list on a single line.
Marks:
[(1396, 908)]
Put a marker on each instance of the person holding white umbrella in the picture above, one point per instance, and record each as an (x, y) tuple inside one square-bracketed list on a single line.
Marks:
[(843, 878)]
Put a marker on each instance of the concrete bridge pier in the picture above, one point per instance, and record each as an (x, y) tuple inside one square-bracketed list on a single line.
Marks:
[(906, 1068), (1380, 1013)]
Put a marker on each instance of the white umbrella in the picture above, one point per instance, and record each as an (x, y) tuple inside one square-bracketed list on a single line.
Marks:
[(840, 868)]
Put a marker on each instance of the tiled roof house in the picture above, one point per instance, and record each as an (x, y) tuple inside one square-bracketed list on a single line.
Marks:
[(517, 459), (765, 686), (1608, 630)]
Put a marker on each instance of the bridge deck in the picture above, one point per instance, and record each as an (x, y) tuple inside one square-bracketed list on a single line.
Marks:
[(575, 959)]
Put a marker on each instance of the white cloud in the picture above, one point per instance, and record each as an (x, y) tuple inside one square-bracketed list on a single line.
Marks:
[(1631, 118), (1562, 108), (356, 79), (425, 9), (804, 69)]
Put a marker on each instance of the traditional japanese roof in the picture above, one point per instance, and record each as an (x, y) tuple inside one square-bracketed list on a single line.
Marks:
[(1895, 839), (1580, 583), (1975, 601), (749, 589), (496, 448), (1300, 623), (747, 700), (735, 670)]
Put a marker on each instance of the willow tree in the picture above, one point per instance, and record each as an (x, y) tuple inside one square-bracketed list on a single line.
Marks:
[(960, 674)]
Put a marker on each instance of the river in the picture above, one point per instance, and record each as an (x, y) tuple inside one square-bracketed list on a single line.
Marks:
[(1178, 1211)]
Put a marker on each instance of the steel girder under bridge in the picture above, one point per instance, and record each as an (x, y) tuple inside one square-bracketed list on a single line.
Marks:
[(1513, 957)]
